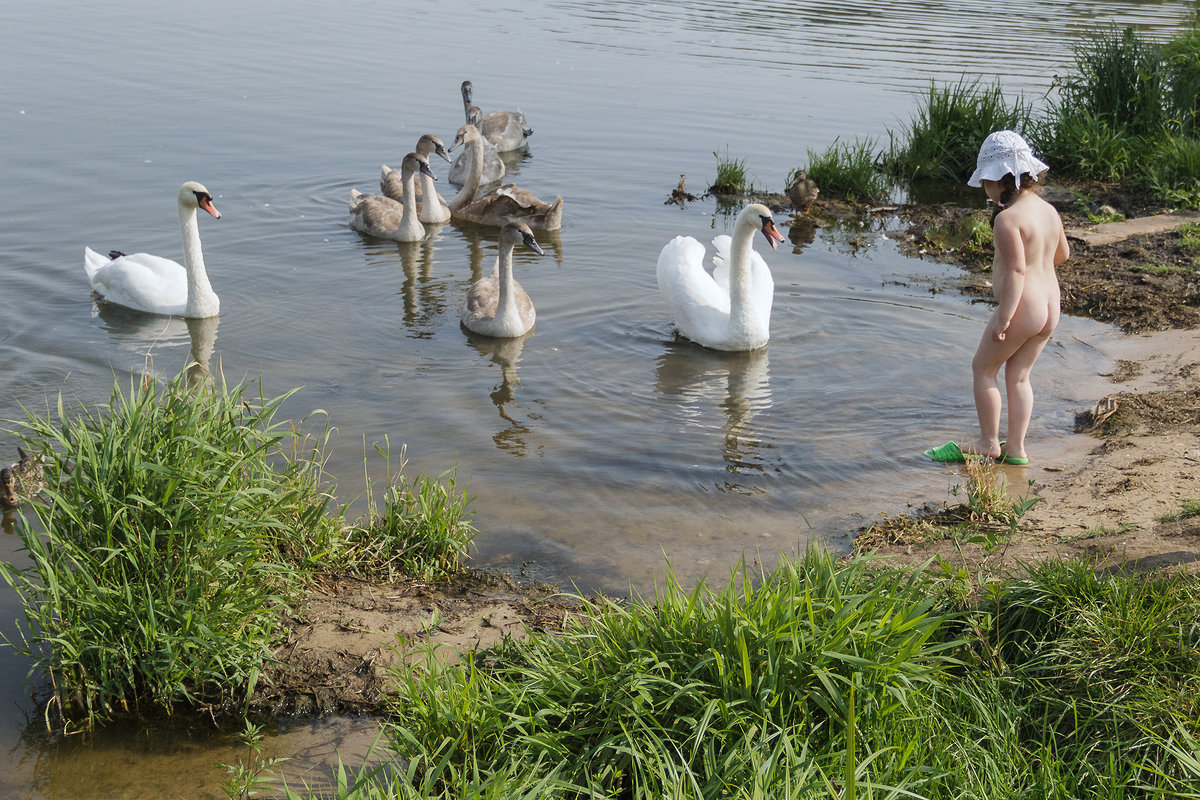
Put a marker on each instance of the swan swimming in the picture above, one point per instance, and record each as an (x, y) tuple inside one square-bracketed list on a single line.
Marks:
[(155, 284), (382, 217), (731, 308), (496, 305), (504, 203), (391, 183), (506, 130)]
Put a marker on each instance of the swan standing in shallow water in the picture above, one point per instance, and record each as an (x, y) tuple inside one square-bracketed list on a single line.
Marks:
[(159, 285), (384, 218), (507, 130), (391, 183), (730, 309), (496, 305), (503, 203)]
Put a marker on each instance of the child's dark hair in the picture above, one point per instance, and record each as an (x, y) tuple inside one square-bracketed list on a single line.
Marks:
[(1009, 191)]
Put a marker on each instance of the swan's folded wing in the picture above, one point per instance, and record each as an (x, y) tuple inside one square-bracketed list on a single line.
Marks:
[(144, 282), (689, 291)]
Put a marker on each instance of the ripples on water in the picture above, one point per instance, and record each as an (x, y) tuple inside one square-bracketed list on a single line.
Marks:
[(597, 445)]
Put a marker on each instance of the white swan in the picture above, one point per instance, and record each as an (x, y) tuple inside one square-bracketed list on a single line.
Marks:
[(159, 285), (507, 130), (504, 203), (391, 183), (493, 165), (496, 305), (384, 218), (730, 309)]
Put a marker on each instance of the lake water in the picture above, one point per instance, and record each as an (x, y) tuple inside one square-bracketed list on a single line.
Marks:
[(597, 448)]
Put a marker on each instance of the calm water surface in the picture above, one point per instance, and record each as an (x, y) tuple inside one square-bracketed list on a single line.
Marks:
[(597, 447)]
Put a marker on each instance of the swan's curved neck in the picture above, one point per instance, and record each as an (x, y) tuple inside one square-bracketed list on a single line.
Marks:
[(408, 217), (474, 175), (202, 301), (740, 276), (506, 305)]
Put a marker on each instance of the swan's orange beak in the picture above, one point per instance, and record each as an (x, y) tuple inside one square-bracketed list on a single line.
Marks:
[(207, 204), (772, 234)]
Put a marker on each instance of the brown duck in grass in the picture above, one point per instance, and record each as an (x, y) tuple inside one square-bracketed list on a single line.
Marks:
[(20, 481), (802, 191)]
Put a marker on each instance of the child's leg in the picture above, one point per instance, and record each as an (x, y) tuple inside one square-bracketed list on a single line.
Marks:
[(1020, 392), (984, 368)]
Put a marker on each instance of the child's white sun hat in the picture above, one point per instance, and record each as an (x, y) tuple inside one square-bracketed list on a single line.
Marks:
[(1005, 153)]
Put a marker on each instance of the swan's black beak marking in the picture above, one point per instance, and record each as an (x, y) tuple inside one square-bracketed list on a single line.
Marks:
[(204, 200), (532, 244), (770, 232)]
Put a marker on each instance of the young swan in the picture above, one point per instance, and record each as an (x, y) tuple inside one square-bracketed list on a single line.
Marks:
[(493, 165), (497, 305), (155, 284), (731, 308), (506, 130), (384, 218), (504, 203), (391, 183)]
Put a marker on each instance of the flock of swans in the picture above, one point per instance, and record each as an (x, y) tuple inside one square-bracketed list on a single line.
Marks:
[(728, 308)]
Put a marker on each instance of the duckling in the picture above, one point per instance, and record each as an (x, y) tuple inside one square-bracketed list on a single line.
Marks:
[(20, 481), (802, 191)]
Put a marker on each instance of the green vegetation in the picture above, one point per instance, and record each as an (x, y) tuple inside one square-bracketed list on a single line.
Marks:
[(1162, 269), (1189, 509), (177, 525), (1189, 237), (823, 679), (731, 175), (849, 171), (943, 138), (1128, 112)]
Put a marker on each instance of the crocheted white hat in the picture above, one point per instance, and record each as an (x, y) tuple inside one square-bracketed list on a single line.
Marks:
[(1005, 153)]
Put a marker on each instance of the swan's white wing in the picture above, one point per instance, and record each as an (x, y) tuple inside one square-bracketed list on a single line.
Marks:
[(141, 281), (699, 307), (762, 285)]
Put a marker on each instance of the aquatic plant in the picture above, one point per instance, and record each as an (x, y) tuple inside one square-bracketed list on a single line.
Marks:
[(849, 170), (731, 175), (943, 137)]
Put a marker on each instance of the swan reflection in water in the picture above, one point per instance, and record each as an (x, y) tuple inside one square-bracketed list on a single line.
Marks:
[(505, 353), (142, 333), (423, 298), (736, 382)]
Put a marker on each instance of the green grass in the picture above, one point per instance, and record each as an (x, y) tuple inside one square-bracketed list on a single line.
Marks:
[(943, 138), (849, 170), (1189, 237), (731, 175), (1162, 269), (823, 679), (1189, 509), (177, 526)]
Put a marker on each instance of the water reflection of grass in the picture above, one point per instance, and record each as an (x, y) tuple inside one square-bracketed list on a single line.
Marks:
[(177, 527)]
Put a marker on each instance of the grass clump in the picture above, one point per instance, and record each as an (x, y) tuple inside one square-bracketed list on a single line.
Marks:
[(176, 519), (823, 678), (177, 526), (423, 530), (702, 689), (849, 170), (731, 175), (943, 139), (1188, 509)]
